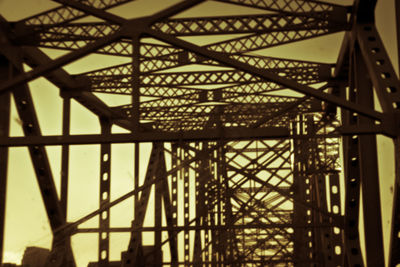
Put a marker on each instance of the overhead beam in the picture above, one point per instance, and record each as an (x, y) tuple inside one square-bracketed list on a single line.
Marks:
[(93, 11), (266, 74)]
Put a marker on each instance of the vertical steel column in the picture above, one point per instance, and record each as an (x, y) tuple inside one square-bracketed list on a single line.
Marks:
[(335, 234), (318, 195), (186, 208), (207, 176), (220, 246), (387, 88), (168, 211), (174, 206), (369, 169), (219, 191), (65, 155), (135, 83), (4, 132), (301, 186), (136, 178), (213, 209), (228, 234), (328, 240), (105, 176), (394, 248), (199, 185), (352, 179), (65, 169), (136, 113), (322, 235), (158, 194)]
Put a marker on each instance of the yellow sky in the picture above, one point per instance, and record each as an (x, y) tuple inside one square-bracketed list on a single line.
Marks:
[(26, 222)]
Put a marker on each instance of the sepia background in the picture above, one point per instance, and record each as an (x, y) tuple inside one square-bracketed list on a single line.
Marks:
[(26, 222)]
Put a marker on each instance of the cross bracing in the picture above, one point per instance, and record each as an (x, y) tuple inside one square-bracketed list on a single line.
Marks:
[(254, 159)]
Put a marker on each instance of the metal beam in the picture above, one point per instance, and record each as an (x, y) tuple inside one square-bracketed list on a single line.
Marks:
[(104, 196), (61, 252), (170, 211), (4, 133), (232, 133), (131, 258), (351, 162), (369, 169), (394, 243), (31, 128), (65, 156), (302, 251), (265, 74), (379, 68), (93, 11)]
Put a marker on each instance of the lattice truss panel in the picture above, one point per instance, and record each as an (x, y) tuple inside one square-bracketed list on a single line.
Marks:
[(181, 90)]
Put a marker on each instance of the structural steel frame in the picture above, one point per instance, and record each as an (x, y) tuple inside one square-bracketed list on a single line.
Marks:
[(241, 173)]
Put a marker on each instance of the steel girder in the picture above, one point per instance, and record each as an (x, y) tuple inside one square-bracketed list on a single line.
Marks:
[(242, 173)]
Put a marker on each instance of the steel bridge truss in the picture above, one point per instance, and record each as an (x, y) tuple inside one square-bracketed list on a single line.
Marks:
[(241, 172)]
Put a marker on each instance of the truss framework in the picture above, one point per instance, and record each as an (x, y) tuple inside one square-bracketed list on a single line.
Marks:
[(240, 173)]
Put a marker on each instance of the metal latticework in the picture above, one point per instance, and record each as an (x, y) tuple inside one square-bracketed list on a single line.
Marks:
[(256, 160)]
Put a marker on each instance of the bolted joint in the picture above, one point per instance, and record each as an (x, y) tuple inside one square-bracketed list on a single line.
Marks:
[(25, 34), (338, 15), (82, 84), (391, 125), (365, 11), (135, 27), (396, 123), (105, 123)]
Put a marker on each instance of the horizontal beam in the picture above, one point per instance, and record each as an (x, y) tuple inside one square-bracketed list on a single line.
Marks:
[(206, 227), (234, 133), (363, 129)]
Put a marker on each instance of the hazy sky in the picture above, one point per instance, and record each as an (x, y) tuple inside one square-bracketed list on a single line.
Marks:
[(26, 221)]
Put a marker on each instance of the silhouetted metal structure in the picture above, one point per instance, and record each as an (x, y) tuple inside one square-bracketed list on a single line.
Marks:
[(242, 173)]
